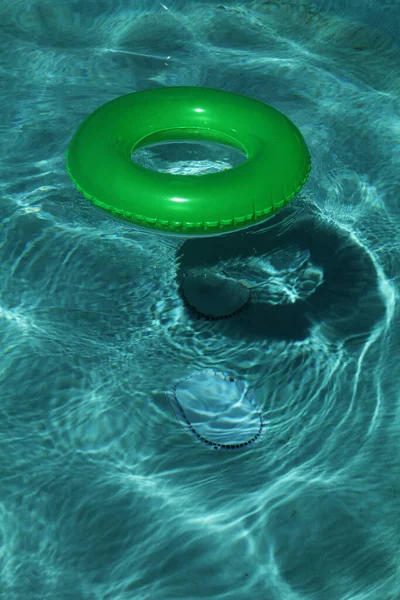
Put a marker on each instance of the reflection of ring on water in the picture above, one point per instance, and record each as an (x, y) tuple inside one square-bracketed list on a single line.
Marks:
[(277, 282)]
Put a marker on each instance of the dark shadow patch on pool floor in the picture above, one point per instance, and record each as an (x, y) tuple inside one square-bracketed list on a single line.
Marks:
[(347, 302)]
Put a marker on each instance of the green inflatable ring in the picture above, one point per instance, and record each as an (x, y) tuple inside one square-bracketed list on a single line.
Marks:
[(99, 160)]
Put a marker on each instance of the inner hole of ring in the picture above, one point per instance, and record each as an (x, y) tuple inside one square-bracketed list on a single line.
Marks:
[(188, 152)]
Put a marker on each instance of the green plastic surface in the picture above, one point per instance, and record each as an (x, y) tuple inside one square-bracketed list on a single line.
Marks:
[(277, 165)]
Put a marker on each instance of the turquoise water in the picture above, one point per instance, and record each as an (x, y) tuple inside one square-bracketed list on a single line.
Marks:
[(103, 494)]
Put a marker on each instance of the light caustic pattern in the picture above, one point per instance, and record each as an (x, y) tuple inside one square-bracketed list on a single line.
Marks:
[(103, 494)]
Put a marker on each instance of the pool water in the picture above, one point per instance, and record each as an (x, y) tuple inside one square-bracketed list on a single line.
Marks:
[(105, 492)]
